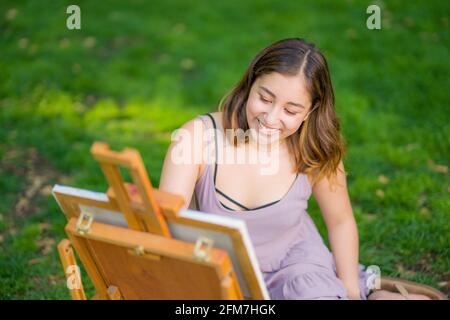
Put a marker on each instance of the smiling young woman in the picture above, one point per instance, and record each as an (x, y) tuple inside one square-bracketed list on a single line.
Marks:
[(285, 99)]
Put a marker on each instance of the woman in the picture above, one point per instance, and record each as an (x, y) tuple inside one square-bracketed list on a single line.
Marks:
[(274, 141)]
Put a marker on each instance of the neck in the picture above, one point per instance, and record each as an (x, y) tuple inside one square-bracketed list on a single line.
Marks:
[(269, 148)]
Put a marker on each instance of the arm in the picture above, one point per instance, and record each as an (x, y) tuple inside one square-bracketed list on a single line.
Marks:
[(337, 212), (182, 162)]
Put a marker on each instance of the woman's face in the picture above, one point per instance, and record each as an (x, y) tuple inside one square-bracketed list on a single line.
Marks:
[(277, 105)]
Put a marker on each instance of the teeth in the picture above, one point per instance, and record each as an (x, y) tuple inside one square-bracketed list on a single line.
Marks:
[(264, 129)]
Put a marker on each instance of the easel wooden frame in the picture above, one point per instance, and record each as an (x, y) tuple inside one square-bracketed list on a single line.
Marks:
[(70, 205), (145, 208), (110, 162), (155, 250)]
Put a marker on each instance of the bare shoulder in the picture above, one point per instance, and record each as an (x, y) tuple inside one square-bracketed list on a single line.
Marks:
[(325, 184), (183, 160), (218, 118), (198, 122), (192, 135), (193, 124), (333, 198)]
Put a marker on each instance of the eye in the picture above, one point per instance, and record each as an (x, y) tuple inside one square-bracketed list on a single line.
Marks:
[(264, 100), (290, 112)]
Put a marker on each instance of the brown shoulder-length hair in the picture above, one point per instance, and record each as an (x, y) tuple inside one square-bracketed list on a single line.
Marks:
[(317, 146)]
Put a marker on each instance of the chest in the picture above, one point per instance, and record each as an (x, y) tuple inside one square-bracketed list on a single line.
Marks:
[(254, 180)]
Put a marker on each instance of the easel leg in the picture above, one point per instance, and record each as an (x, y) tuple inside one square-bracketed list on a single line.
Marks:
[(71, 270)]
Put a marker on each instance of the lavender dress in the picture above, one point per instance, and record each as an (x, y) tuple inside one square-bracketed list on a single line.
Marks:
[(295, 262)]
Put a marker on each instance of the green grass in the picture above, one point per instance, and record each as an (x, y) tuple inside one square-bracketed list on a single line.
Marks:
[(137, 71)]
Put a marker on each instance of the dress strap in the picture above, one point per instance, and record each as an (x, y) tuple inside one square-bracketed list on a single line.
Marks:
[(206, 126), (216, 146)]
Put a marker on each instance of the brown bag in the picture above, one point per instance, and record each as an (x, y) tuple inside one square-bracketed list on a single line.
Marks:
[(405, 287)]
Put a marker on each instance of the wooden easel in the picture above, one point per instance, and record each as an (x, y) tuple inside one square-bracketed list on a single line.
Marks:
[(110, 161), (129, 264), (117, 258)]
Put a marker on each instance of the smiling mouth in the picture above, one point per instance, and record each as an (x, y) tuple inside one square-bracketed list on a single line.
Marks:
[(266, 130)]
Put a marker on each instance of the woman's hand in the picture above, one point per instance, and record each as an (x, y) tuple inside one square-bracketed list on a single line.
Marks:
[(354, 294)]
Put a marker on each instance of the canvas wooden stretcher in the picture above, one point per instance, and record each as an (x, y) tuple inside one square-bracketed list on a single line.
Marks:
[(129, 264), (141, 210)]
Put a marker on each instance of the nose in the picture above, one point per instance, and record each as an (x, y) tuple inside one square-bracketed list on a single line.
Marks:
[(272, 117)]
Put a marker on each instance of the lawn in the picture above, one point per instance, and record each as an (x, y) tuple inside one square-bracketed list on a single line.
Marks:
[(137, 70)]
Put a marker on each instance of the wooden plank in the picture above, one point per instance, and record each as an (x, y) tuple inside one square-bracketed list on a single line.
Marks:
[(87, 260), (161, 268), (68, 261), (153, 221), (114, 293), (170, 205)]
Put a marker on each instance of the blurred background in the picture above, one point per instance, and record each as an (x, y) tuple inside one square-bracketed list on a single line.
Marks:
[(137, 70)]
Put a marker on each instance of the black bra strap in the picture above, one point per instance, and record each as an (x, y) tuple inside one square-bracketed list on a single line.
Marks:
[(215, 174), (226, 206), (235, 202)]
